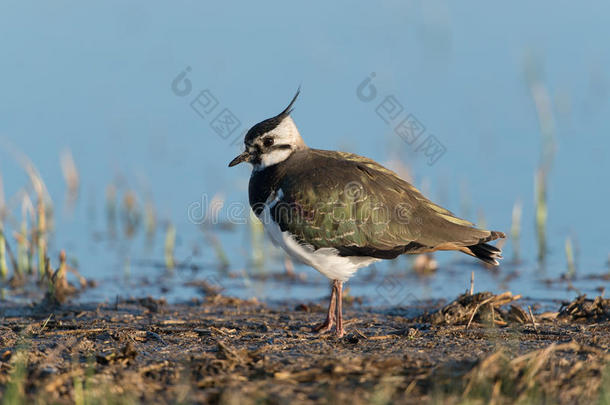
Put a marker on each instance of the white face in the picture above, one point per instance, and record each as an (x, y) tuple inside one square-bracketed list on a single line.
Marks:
[(272, 158), (276, 145)]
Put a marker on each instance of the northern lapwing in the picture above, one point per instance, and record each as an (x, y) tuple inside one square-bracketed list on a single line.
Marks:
[(338, 212)]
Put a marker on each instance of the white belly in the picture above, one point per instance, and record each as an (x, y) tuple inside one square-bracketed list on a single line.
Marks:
[(326, 260)]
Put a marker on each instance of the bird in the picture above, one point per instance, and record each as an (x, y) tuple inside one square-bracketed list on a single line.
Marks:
[(338, 212)]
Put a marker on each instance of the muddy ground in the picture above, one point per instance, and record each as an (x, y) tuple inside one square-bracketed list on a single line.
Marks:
[(477, 349)]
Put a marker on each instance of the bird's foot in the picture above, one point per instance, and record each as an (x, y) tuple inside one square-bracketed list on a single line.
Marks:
[(339, 332), (324, 327)]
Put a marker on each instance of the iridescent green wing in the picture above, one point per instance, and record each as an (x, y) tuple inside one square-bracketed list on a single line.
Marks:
[(341, 200)]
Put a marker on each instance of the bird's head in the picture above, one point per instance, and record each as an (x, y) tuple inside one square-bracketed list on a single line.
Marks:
[(271, 141)]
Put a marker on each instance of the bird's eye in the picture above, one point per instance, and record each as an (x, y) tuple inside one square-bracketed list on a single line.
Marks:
[(268, 142)]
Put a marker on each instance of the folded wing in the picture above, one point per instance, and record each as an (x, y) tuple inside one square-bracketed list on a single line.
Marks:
[(353, 204)]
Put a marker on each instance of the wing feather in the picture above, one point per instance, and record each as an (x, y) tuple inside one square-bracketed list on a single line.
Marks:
[(353, 204)]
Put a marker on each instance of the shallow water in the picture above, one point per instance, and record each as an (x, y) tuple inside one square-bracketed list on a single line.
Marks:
[(125, 268)]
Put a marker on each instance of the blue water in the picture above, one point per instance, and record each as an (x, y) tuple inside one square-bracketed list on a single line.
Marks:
[(103, 81)]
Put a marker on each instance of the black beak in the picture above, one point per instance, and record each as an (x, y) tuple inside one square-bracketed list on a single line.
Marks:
[(244, 157)]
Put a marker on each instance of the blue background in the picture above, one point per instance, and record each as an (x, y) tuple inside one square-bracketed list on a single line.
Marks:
[(96, 79)]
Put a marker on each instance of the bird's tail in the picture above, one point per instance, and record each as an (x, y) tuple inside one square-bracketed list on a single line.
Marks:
[(484, 251)]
